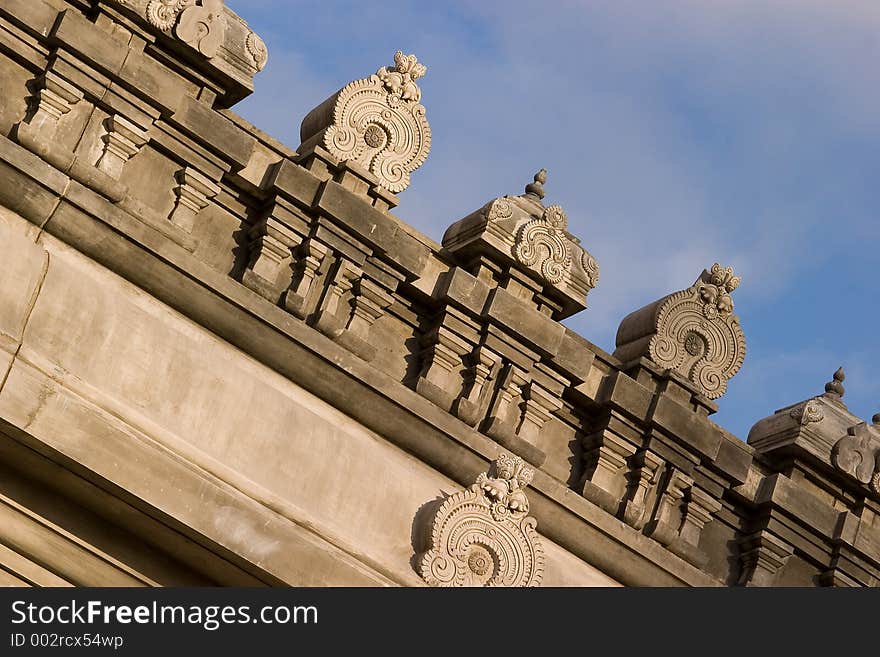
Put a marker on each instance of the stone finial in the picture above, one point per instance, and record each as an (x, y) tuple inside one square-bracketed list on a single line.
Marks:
[(483, 535), (834, 388), (376, 122), (536, 188), (693, 332)]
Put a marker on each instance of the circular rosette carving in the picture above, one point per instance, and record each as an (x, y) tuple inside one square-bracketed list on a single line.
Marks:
[(498, 210), (163, 13), (388, 136), (544, 247), (475, 542), (708, 350), (256, 48)]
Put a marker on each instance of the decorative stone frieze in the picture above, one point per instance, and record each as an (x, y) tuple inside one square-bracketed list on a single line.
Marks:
[(693, 332), (122, 141), (483, 535), (194, 191), (377, 122)]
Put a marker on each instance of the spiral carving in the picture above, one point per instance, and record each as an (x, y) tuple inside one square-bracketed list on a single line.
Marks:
[(483, 536), (378, 122), (541, 244), (697, 335)]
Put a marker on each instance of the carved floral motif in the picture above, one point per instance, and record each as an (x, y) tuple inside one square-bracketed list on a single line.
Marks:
[(483, 535), (698, 335), (378, 122), (542, 244)]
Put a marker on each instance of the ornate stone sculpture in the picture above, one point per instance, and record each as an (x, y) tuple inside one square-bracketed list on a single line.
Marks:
[(693, 332), (483, 535), (376, 122)]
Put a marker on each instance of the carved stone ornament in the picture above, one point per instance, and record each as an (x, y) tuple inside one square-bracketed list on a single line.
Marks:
[(198, 23), (520, 234), (542, 244), (378, 123), (858, 455), (693, 332), (203, 26), (808, 412), (483, 535), (256, 48)]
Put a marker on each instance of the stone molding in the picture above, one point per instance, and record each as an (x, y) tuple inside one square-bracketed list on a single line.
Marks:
[(483, 535)]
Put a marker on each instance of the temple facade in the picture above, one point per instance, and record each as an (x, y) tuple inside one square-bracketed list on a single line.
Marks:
[(224, 361)]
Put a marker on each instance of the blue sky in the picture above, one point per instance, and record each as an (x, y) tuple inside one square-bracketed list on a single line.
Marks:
[(675, 133)]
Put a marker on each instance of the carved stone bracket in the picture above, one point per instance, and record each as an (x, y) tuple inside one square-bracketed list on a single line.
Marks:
[(122, 141), (194, 191), (505, 411), (762, 556), (669, 516), (483, 535), (693, 332), (607, 460), (53, 98), (440, 378)]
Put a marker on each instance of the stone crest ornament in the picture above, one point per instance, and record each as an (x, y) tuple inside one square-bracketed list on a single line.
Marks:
[(203, 26), (377, 122), (693, 332), (483, 535), (858, 453)]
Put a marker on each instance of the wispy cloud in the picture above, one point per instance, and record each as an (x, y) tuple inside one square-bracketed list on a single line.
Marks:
[(676, 134)]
